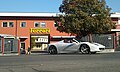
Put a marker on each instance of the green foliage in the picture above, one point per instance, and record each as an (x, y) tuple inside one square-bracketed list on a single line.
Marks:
[(83, 17)]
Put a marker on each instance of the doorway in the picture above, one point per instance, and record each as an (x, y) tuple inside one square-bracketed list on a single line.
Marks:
[(22, 47)]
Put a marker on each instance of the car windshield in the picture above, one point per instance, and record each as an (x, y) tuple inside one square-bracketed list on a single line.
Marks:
[(72, 40), (81, 40), (77, 39)]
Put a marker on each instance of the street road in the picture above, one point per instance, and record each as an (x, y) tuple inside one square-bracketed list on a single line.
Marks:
[(107, 62)]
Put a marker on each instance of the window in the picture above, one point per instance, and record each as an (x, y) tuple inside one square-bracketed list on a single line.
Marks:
[(118, 21), (11, 24), (23, 24), (43, 24), (55, 25), (36, 24), (4, 24), (7, 24)]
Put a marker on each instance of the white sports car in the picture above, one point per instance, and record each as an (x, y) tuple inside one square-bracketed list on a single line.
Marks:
[(73, 45)]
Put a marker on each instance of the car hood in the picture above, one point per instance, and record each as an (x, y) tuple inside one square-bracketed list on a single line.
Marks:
[(93, 43), (97, 44)]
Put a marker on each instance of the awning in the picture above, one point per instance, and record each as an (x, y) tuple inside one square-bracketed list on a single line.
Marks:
[(23, 37), (7, 36), (11, 36)]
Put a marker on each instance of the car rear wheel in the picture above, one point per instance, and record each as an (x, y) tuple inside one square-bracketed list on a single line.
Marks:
[(85, 49), (52, 50)]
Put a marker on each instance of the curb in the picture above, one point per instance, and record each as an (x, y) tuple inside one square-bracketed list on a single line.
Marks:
[(107, 51), (9, 54)]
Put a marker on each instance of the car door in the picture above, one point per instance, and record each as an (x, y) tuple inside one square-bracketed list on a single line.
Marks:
[(70, 46)]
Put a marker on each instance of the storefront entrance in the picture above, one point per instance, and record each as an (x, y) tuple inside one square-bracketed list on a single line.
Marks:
[(39, 39), (40, 42)]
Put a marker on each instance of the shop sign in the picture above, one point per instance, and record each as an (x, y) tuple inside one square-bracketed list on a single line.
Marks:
[(40, 30), (41, 39)]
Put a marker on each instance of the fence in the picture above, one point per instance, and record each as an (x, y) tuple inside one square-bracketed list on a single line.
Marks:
[(0, 45), (105, 39), (10, 45)]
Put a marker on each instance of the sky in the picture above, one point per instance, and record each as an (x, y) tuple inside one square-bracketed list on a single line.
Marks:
[(43, 5)]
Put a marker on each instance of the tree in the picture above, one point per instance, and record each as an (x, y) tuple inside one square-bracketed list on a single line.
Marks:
[(83, 17)]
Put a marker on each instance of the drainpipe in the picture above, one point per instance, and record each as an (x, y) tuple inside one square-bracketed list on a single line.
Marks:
[(16, 29), (18, 46), (16, 36)]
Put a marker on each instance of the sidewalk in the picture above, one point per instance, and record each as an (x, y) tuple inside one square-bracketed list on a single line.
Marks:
[(45, 53), (12, 54), (16, 54)]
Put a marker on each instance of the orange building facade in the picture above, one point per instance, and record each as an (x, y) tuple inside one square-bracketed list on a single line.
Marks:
[(27, 27), (21, 30), (116, 19)]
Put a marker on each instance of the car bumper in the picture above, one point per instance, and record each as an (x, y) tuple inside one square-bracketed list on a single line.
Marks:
[(97, 49)]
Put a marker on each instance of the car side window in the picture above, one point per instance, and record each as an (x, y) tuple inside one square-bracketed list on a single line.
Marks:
[(65, 41), (71, 41), (68, 41)]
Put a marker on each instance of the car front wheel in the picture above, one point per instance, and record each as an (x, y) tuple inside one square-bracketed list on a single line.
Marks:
[(52, 50), (85, 49)]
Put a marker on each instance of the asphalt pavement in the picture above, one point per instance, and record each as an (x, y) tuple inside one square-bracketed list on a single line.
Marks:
[(100, 62)]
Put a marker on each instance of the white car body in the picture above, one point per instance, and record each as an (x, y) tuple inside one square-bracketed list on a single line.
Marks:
[(74, 46)]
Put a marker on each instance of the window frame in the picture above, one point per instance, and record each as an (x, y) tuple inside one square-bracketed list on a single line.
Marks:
[(43, 24), (35, 24), (23, 25), (3, 24), (9, 24), (55, 25)]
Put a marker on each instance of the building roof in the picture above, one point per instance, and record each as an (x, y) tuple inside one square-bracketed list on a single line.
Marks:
[(115, 15), (30, 14), (35, 14)]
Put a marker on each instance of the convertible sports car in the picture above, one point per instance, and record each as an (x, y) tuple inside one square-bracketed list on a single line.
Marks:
[(73, 46)]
